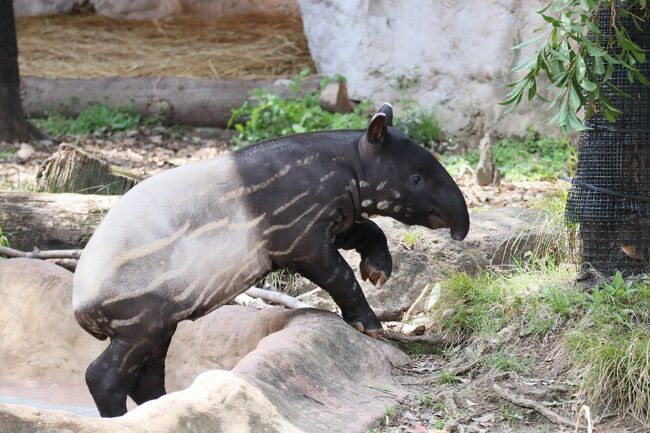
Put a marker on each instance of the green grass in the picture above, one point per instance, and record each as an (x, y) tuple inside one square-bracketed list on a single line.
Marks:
[(410, 239), (422, 126), (4, 241), (607, 330), (447, 377), (509, 362), (96, 118), (610, 347), (268, 115), (534, 157)]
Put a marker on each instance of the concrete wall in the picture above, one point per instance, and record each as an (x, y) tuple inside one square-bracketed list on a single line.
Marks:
[(453, 56), (146, 9)]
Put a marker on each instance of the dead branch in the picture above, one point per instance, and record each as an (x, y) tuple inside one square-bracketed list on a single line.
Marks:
[(521, 401), (276, 298), (38, 254)]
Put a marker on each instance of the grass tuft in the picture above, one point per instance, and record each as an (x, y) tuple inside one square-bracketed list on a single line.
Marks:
[(610, 347), (534, 157), (96, 118)]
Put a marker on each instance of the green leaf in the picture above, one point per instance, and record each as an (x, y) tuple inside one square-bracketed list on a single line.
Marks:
[(528, 42)]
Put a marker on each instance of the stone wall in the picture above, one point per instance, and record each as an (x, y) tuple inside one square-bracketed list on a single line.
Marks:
[(149, 9), (454, 57)]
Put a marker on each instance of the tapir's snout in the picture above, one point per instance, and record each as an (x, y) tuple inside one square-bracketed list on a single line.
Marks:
[(451, 211)]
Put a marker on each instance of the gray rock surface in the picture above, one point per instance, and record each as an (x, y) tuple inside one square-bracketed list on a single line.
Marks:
[(290, 370)]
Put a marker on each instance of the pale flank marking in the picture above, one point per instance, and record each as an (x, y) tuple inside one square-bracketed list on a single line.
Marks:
[(245, 190), (247, 225), (183, 314), (383, 205), (381, 185), (125, 358), (397, 208), (152, 247), (127, 322), (364, 215), (327, 176), (396, 193), (216, 225), (364, 184), (366, 203), (154, 284), (309, 226), (186, 293), (290, 203), (286, 226)]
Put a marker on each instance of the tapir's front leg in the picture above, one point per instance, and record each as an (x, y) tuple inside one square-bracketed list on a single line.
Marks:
[(370, 242), (327, 268)]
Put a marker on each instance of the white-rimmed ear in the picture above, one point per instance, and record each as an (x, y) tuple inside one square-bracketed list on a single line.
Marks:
[(377, 129), (387, 109)]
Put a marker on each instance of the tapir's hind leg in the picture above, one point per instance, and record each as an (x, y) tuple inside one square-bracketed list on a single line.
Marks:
[(150, 383), (112, 376)]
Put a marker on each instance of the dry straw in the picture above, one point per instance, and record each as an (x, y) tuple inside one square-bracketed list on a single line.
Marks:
[(86, 46)]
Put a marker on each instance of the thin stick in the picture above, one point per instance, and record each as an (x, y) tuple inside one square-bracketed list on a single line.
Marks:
[(519, 400), (38, 254), (276, 298)]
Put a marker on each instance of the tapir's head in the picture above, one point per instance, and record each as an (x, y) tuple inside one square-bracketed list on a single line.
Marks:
[(403, 180)]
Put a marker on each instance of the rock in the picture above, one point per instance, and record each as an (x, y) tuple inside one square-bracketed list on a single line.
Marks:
[(289, 370), (25, 152), (384, 49), (496, 237), (486, 172)]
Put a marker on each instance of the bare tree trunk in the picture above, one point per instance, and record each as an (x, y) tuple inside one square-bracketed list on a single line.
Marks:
[(13, 126)]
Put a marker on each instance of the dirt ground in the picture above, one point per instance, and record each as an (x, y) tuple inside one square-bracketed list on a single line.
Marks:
[(435, 399), (150, 150)]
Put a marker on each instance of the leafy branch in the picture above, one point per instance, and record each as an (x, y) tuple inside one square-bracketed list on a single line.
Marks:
[(579, 59)]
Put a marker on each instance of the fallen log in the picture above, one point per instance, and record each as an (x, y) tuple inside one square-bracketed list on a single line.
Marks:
[(51, 221), (187, 101)]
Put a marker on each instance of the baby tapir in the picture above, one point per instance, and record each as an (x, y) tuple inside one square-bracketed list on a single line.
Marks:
[(186, 241)]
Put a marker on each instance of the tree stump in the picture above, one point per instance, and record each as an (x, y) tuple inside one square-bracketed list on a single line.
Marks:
[(71, 169)]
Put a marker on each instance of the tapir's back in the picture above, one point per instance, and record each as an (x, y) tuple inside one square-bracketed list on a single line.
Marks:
[(160, 240)]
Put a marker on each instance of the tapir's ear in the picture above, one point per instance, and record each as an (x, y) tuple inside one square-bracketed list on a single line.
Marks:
[(376, 133), (387, 109)]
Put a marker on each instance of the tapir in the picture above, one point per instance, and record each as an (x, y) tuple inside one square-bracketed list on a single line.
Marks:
[(186, 241)]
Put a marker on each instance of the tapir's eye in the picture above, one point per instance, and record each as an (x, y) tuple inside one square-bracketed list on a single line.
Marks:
[(416, 179)]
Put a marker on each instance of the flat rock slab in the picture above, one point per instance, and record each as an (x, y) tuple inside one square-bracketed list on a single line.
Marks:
[(290, 370)]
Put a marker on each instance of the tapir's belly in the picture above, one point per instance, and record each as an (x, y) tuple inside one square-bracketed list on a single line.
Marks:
[(184, 238)]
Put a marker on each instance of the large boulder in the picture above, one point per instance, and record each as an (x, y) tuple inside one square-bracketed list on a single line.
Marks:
[(279, 370), (451, 56)]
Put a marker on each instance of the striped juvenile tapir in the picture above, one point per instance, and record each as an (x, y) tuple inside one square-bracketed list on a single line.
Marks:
[(188, 240)]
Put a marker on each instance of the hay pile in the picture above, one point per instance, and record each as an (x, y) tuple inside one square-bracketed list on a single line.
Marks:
[(90, 46)]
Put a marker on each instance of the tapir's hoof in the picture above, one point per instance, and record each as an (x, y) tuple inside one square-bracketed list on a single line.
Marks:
[(369, 272), (374, 333)]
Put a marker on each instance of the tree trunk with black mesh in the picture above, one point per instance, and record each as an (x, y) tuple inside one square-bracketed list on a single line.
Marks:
[(13, 126)]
